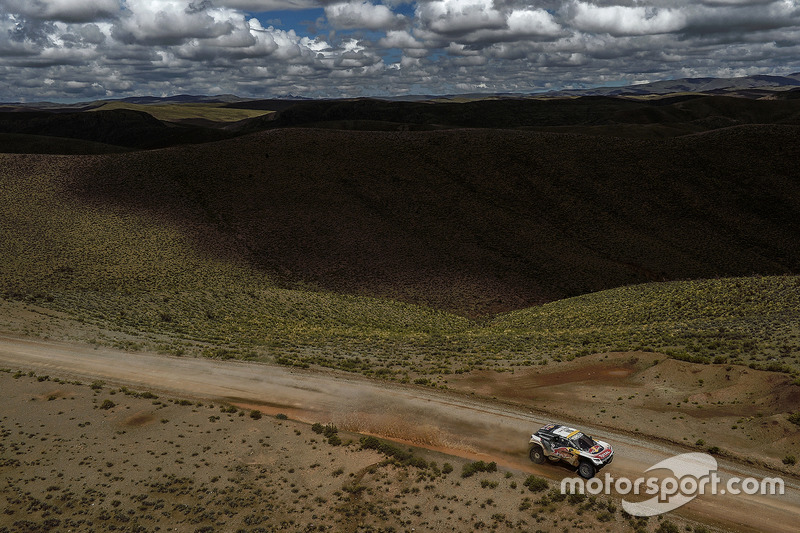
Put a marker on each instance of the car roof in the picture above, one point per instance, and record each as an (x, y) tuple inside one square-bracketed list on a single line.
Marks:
[(559, 430)]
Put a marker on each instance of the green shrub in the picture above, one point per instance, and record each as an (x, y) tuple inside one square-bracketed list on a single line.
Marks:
[(536, 484), (667, 527), (397, 454), (107, 404), (478, 466)]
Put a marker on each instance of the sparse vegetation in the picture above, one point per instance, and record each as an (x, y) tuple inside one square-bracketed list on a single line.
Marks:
[(107, 404), (183, 111), (410, 274), (128, 262), (536, 484), (478, 466)]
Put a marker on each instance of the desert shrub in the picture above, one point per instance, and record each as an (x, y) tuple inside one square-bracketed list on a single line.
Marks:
[(397, 454), (107, 404), (576, 498), (255, 415), (667, 527), (329, 431), (789, 460), (478, 466), (794, 418), (536, 484), (281, 416)]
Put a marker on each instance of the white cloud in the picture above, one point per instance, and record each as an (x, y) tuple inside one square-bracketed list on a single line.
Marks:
[(459, 16), (174, 21), (63, 10), (90, 48), (357, 15), (399, 39), (256, 6), (532, 22), (625, 20)]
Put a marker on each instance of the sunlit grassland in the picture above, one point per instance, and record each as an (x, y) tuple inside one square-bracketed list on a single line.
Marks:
[(173, 288), (746, 320), (176, 112)]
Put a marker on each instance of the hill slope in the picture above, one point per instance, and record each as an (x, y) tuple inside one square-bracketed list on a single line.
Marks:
[(261, 242), (475, 221), (626, 117)]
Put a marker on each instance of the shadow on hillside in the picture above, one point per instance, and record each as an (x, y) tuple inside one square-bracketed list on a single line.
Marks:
[(476, 221)]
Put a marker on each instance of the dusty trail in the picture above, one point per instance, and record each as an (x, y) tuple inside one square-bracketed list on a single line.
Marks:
[(448, 422)]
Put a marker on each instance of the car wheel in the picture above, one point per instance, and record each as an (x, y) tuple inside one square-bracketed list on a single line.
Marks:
[(586, 470), (536, 454)]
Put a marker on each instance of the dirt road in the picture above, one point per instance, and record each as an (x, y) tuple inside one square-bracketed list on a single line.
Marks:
[(457, 424)]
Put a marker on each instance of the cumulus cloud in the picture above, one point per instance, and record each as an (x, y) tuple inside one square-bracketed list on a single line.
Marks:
[(626, 20), (268, 5), (173, 22), (356, 15), (459, 16), (83, 49), (532, 22), (399, 39), (62, 10)]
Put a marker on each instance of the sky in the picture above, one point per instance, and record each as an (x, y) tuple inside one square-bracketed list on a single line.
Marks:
[(78, 50)]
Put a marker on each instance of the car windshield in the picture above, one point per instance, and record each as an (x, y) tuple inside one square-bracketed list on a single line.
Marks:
[(584, 442)]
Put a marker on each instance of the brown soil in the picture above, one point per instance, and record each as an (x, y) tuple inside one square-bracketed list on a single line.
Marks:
[(648, 393), (188, 466), (471, 426)]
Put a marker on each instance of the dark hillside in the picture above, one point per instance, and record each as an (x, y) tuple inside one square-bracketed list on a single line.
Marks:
[(477, 221), (682, 114), (119, 127)]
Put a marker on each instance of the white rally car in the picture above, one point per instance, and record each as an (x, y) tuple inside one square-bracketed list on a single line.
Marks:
[(560, 443)]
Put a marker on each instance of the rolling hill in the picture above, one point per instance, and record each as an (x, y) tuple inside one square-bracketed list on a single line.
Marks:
[(476, 222), (147, 123), (413, 245)]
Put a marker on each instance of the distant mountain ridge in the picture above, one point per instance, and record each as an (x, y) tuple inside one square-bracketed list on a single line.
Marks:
[(705, 85), (692, 85)]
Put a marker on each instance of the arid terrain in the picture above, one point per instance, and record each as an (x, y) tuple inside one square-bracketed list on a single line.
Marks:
[(458, 427), (99, 457), (350, 315)]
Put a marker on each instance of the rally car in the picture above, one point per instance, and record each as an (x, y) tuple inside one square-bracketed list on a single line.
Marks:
[(560, 443)]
